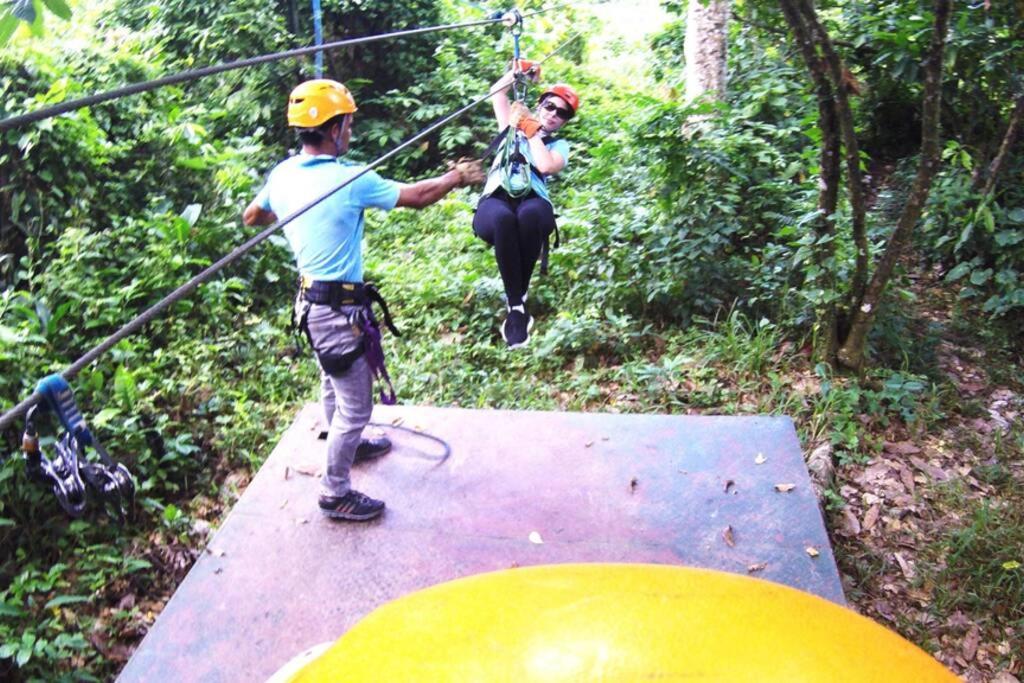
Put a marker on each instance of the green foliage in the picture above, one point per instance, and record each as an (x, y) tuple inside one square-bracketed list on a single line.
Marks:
[(30, 13), (686, 279), (979, 240), (985, 563)]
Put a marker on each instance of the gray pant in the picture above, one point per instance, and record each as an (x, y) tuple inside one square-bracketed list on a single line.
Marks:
[(347, 398)]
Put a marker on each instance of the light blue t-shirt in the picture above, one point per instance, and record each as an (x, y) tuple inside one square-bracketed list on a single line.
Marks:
[(326, 239), (560, 147)]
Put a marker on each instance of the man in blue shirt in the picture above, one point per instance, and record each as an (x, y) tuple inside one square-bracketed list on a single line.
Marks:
[(326, 241)]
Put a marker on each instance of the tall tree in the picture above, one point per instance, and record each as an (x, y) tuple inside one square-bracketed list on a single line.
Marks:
[(832, 84), (705, 48)]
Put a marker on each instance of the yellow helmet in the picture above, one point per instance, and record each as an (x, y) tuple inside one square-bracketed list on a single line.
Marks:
[(315, 102)]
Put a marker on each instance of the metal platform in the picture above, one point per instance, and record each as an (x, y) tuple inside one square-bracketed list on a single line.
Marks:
[(520, 488)]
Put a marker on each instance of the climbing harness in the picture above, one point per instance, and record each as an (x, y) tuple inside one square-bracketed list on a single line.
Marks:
[(335, 295), (72, 476), (515, 169)]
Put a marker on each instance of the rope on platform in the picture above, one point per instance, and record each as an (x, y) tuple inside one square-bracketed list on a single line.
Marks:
[(439, 460)]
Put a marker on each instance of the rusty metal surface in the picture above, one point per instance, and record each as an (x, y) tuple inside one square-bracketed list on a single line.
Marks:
[(279, 578)]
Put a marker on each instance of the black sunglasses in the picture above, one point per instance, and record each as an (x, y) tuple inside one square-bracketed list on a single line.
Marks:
[(563, 113)]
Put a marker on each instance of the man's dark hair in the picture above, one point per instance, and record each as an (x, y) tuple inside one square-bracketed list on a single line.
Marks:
[(314, 136)]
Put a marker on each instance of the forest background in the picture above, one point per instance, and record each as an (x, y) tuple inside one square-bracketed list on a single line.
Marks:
[(713, 260)]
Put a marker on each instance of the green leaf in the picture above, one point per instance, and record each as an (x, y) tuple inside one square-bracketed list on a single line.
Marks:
[(980, 277), (37, 24), (958, 272), (1011, 565), (8, 25), (8, 610), (103, 418), (5, 521), (9, 336), (171, 512), (1008, 238), (66, 600), (59, 7)]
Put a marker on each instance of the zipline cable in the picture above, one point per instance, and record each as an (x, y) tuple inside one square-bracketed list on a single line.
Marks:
[(149, 314), (8, 418), (195, 74)]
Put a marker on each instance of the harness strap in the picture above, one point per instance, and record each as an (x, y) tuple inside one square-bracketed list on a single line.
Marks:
[(335, 294)]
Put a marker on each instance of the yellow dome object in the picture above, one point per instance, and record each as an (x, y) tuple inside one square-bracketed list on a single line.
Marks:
[(618, 622), (315, 102)]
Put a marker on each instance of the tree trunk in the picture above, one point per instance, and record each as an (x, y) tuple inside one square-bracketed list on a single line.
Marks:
[(1012, 129), (851, 353), (826, 340), (842, 85), (705, 49)]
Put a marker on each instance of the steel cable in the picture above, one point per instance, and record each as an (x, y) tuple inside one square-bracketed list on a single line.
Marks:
[(195, 74), (8, 418)]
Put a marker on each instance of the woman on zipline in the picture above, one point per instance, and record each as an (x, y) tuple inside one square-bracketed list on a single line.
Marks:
[(517, 221)]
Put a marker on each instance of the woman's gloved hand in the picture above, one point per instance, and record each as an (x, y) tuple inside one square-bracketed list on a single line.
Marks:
[(520, 118)]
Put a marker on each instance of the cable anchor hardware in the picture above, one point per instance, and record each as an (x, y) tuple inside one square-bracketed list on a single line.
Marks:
[(73, 477)]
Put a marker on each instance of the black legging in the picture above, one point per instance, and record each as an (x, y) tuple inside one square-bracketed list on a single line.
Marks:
[(516, 228)]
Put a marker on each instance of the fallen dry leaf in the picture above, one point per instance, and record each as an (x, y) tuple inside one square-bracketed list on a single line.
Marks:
[(729, 483), (901, 448), (633, 483), (871, 517), (730, 539), (970, 646), (535, 538), (851, 525), (812, 551), (784, 488), (397, 421), (216, 552), (756, 567), (906, 566), (907, 477), (760, 459), (931, 470), (307, 472)]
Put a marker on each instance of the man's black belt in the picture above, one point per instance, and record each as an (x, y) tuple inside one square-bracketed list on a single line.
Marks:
[(335, 293)]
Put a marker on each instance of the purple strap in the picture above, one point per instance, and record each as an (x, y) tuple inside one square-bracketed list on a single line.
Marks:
[(375, 357)]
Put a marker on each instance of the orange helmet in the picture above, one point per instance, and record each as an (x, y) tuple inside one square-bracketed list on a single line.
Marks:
[(315, 102), (566, 93)]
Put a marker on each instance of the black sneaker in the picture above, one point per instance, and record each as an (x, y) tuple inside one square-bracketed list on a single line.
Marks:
[(516, 329), (353, 506), (371, 449)]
